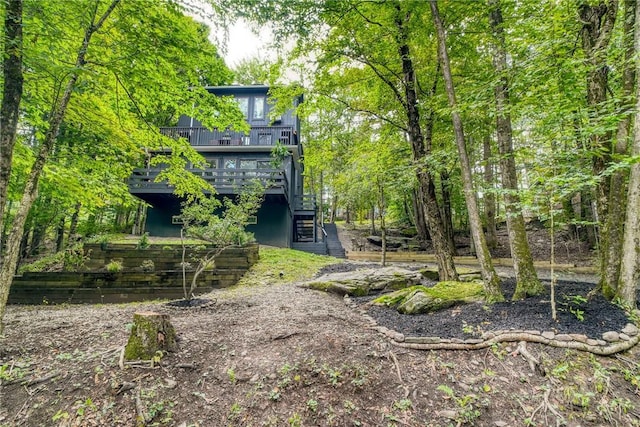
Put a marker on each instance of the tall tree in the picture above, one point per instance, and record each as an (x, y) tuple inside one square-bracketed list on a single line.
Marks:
[(630, 265), (11, 95), (613, 224), (426, 191), (489, 275), (526, 276), (96, 21), (598, 21)]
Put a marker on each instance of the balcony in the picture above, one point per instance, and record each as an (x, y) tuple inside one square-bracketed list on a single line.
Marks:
[(225, 181), (257, 136)]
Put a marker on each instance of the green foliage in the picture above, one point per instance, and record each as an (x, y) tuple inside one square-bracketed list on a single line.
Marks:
[(467, 405), (572, 303), (227, 228), (143, 243), (114, 266), (312, 405), (222, 224), (70, 259)]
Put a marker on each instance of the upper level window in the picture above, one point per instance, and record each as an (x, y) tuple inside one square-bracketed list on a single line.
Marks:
[(258, 107), (243, 104)]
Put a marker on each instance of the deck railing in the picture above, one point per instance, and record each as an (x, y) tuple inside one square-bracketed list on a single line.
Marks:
[(305, 202), (223, 180), (258, 135)]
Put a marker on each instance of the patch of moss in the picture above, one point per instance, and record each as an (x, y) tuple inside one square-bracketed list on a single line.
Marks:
[(456, 290), (394, 298), (448, 292)]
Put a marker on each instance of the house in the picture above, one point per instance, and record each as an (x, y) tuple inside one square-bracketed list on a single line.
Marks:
[(287, 217)]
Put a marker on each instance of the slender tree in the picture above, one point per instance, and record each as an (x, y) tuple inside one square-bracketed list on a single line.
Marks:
[(489, 275), (427, 191), (614, 221), (630, 265), (11, 95), (8, 267), (598, 21), (526, 276)]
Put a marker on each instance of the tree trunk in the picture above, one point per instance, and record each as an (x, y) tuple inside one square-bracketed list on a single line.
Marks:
[(419, 220), (447, 219), (630, 265), (614, 222), (490, 278), (383, 226), (151, 332), (60, 235), (489, 195), (597, 27), (11, 95), (73, 225), (527, 282), (373, 221), (31, 188), (426, 187)]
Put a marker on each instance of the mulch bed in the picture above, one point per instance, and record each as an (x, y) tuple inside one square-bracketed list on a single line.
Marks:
[(574, 315)]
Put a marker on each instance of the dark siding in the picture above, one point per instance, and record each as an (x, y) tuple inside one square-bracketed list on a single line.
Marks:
[(273, 228)]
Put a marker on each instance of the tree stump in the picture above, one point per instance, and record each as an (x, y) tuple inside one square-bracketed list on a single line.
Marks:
[(151, 332)]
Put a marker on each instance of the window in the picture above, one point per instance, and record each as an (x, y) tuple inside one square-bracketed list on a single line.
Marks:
[(258, 107), (263, 164), (243, 104), (264, 139), (250, 166)]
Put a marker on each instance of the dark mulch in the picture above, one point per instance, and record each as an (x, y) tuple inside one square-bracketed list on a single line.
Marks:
[(192, 303), (591, 318)]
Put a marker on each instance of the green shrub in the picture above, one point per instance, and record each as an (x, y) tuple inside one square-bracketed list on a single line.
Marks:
[(114, 266)]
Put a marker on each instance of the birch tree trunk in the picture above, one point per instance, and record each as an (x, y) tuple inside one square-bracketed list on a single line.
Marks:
[(31, 188), (527, 282), (489, 275)]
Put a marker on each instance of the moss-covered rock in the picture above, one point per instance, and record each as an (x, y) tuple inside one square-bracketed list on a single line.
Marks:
[(422, 299), (362, 282)]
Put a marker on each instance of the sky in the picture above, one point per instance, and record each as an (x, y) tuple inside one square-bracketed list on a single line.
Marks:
[(244, 44)]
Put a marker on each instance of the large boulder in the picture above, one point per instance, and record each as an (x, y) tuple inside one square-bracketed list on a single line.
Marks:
[(421, 299), (362, 282)]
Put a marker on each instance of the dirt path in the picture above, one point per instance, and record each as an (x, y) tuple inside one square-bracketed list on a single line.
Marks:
[(280, 355)]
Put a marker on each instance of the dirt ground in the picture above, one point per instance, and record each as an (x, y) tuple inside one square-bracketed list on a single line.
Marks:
[(279, 355)]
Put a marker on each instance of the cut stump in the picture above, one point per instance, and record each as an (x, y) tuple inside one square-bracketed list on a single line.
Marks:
[(151, 332)]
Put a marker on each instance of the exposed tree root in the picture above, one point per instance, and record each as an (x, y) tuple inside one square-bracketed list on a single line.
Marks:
[(608, 350)]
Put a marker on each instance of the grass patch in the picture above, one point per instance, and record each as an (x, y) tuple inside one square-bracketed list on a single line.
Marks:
[(286, 266)]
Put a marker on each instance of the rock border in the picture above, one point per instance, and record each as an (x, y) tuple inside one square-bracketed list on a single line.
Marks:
[(612, 342)]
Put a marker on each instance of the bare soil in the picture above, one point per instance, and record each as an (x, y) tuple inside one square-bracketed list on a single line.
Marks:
[(279, 355)]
